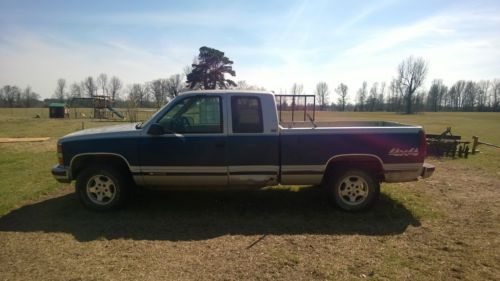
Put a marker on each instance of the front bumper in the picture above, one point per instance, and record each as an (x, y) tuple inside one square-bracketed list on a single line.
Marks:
[(427, 170), (61, 173)]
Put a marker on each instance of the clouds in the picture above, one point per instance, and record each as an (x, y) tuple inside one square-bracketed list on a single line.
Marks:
[(273, 46)]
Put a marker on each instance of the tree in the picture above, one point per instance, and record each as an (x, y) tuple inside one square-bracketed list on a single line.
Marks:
[(483, 87), (297, 89), (174, 85), (362, 96), (495, 95), (322, 93), (411, 75), (158, 89), (341, 90), (60, 91), (11, 95), (102, 83), (209, 70), (114, 87), (381, 98), (89, 87), (470, 93), (436, 94), (76, 90), (138, 94), (243, 85), (29, 98), (372, 99)]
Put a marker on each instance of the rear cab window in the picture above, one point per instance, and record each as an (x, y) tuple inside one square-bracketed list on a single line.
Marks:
[(246, 114)]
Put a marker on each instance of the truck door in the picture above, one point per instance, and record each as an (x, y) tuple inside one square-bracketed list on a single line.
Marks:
[(193, 150), (253, 147)]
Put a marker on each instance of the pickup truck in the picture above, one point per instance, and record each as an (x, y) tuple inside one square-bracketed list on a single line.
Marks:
[(233, 139)]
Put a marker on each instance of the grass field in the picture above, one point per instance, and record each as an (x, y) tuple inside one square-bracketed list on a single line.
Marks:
[(445, 227)]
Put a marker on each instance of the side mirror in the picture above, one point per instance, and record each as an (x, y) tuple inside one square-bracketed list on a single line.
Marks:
[(156, 130)]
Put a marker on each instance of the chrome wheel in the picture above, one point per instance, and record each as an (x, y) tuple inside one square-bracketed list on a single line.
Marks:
[(353, 190), (101, 189)]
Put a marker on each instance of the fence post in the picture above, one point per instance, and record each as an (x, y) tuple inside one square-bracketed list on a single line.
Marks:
[(475, 143)]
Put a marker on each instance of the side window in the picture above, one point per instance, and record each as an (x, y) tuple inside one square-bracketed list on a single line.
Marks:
[(201, 115), (246, 114)]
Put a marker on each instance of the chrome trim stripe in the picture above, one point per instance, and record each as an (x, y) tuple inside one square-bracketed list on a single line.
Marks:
[(168, 174), (184, 169), (253, 168), (297, 168)]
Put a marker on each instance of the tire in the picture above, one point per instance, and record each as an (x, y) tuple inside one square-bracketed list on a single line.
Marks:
[(353, 190), (101, 188)]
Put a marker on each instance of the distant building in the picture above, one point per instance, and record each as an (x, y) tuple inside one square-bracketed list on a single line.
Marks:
[(58, 110)]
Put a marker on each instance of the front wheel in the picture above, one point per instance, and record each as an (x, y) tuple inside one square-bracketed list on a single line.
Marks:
[(101, 188), (353, 190)]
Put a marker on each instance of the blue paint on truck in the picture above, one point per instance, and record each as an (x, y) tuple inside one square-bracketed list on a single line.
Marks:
[(228, 138)]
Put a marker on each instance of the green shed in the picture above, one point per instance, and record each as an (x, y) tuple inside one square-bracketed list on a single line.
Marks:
[(57, 110)]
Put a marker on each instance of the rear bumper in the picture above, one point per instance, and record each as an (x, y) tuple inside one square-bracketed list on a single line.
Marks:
[(427, 170), (61, 173), (407, 171)]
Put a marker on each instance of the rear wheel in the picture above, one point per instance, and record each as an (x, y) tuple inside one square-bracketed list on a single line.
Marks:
[(353, 190), (101, 188)]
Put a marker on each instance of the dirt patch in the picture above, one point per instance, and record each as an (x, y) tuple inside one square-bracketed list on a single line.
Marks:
[(267, 235), (11, 140)]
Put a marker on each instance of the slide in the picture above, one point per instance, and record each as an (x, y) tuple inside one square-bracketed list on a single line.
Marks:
[(118, 113)]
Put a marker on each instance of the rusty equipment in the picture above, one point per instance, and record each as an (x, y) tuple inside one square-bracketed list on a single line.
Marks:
[(447, 145)]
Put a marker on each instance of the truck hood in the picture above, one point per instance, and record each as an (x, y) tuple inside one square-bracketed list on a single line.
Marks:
[(103, 132)]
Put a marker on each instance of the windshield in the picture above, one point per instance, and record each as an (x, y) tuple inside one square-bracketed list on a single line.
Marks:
[(139, 125)]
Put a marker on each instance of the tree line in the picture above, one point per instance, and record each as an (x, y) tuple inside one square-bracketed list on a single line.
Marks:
[(209, 69)]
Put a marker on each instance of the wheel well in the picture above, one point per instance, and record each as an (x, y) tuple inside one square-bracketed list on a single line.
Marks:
[(366, 163), (81, 162)]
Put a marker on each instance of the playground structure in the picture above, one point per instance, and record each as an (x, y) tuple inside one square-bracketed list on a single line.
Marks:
[(101, 107)]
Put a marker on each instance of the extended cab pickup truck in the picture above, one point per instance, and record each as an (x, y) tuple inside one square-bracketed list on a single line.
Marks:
[(233, 139)]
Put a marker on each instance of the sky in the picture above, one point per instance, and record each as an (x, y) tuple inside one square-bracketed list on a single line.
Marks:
[(272, 43)]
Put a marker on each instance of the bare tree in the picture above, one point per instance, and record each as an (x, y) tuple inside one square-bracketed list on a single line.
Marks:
[(89, 87), (483, 87), (243, 85), (322, 93), (371, 102), (76, 90), (381, 97), (11, 94), (436, 94), (362, 96), (29, 98), (341, 90), (411, 75), (297, 89), (102, 83), (495, 95), (158, 89), (469, 98), (60, 91), (114, 87), (138, 94), (174, 85)]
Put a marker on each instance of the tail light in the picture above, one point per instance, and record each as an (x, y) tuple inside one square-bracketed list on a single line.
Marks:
[(422, 149), (60, 154)]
